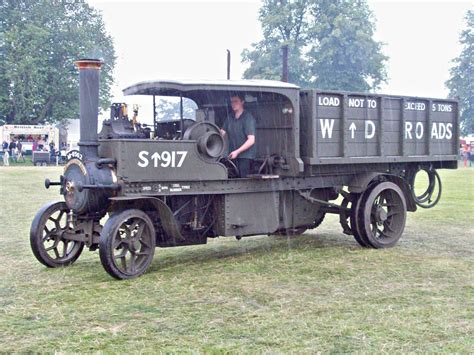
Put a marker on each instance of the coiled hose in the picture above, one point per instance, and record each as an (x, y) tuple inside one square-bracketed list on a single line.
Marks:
[(426, 199)]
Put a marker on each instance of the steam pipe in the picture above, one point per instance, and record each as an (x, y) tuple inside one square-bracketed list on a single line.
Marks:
[(89, 72)]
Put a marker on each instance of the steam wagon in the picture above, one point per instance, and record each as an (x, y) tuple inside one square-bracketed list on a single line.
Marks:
[(171, 184)]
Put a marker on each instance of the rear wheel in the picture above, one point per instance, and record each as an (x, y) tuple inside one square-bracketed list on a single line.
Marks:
[(127, 244), (356, 198), (381, 215)]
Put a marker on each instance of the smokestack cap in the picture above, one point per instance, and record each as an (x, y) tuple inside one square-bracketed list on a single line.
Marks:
[(88, 63)]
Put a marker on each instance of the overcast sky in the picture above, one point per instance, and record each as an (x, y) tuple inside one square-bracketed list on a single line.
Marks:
[(188, 39)]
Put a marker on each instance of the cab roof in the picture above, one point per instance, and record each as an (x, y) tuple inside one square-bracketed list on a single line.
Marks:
[(174, 87)]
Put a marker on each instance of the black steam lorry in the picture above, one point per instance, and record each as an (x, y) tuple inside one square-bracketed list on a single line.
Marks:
[(171, 184)]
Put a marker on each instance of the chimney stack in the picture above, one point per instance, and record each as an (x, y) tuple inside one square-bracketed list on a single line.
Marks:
[(89, 72)]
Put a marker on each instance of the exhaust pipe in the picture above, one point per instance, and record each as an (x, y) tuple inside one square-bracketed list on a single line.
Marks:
[(228, 64), (284, 54), (89, 72)]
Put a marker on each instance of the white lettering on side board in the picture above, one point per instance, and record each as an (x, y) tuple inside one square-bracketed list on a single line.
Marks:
[(412, 130), (333, 101)]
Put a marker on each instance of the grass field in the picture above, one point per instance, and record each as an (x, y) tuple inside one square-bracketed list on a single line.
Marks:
[(315, 292)]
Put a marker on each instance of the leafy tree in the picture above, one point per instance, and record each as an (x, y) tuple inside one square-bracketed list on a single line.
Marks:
[(39, 42), (343, 54), (283, 23), (461, 83), (331, 45)]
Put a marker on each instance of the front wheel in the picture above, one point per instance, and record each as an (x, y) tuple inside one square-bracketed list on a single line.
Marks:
[(127, 244), (48, 236)]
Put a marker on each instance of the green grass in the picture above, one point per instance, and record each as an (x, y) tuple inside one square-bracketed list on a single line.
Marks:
[(316, 292)]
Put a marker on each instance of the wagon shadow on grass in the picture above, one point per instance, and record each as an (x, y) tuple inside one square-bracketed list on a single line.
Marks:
[(172, 260), (251, 246)]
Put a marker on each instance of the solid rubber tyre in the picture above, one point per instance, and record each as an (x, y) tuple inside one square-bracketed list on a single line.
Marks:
[(353, 219)]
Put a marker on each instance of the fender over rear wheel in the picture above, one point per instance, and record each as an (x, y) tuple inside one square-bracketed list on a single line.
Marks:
[(127, 244)]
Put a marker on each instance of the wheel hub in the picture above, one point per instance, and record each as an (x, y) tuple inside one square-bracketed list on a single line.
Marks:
[(380, 214), (134, 245)]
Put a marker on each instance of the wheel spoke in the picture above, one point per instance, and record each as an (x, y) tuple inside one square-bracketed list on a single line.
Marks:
[(133, 259), (374, 228), (143, 253), (122, 254), (387, 205), (124, 263), (378, 233), (118, 241), (127, 231), (56, 252), (65, 243), (382, 199), (60, 216), (387, 225), (133, 225), (383, 235), (145, 242), (46, 237), (140, 230), (393, 213)]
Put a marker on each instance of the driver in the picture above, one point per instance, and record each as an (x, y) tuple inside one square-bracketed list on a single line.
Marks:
[(240, 128)]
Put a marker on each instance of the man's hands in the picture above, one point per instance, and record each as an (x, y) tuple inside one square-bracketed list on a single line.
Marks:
[(234, 154), (248, 143)]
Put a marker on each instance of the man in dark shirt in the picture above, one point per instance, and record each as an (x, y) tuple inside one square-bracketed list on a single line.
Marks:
[(12, 147), (240, 128)]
